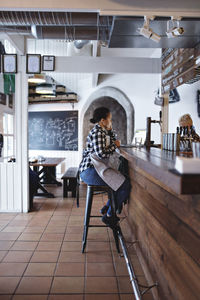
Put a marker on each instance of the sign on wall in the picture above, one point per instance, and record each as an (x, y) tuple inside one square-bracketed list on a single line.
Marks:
[(53, 130)]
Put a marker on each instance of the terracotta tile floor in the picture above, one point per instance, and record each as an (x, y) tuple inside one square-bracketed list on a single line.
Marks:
[(40, 254)]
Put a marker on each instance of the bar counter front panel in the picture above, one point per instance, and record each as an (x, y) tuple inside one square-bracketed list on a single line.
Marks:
[(164, 215)]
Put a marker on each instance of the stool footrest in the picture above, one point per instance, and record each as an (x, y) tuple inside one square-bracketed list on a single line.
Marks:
[(95, 216)]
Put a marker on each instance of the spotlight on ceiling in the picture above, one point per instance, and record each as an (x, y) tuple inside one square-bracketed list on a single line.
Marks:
[(173, 28), (147, 32)]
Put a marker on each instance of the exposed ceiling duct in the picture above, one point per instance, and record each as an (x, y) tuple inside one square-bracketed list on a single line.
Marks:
[(57, 25), (79, 44)]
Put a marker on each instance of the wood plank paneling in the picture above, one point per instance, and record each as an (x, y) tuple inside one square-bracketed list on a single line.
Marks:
[(10, 200), (10, 187), (4, 203), (167, 226)]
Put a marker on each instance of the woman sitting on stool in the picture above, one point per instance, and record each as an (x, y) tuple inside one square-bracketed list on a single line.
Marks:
[(94, 168)]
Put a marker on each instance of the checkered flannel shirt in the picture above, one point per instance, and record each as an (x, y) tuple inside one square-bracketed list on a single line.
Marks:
[(96, 143)]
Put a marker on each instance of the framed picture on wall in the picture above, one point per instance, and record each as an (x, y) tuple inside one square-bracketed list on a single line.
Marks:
[(9, 63), (10, 100), (48, 63), (2, 98), (198, 102), (33, 63)]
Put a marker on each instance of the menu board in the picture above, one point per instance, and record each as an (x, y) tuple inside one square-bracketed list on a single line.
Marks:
[(53, 130), (178, 66)]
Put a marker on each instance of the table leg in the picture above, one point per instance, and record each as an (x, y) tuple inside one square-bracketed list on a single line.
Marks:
[(45, 192), (50, 177)]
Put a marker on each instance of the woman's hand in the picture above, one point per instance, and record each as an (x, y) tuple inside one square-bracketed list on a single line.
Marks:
[(117, 143)]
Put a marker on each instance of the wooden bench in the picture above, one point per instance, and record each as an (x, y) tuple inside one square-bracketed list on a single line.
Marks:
[(71, 183)]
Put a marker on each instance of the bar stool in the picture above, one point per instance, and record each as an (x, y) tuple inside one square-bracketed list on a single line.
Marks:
[(92, 190)]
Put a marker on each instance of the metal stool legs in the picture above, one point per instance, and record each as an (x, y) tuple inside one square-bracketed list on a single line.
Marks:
[(115, 228), (89, 198), (88, 207)]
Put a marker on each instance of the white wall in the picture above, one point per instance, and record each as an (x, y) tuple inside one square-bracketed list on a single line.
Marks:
[(139, 88), (187, 104)]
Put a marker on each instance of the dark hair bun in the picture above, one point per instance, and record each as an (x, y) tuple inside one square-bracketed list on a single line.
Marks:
[(92, 121), (99, 113)]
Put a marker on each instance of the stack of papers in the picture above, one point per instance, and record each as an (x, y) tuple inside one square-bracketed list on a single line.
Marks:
[(186, 165)]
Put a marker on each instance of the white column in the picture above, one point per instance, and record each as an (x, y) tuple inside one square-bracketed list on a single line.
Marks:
[(21, 113)]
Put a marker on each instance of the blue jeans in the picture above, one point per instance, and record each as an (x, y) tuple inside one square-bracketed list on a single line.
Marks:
[(91, 177)]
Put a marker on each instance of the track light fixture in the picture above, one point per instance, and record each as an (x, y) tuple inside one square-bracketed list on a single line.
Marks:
[(147, 32), (173, 28)]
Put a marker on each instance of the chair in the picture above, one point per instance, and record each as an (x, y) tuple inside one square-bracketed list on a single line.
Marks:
[(91, 191)]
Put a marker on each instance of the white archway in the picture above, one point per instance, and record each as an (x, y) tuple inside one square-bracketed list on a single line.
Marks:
[(122, 99)]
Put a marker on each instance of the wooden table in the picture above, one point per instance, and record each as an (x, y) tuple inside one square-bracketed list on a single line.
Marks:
[(46, 171)]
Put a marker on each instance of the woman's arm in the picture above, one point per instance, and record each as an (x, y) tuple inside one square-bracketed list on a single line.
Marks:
[(112, 135), (99, 143)]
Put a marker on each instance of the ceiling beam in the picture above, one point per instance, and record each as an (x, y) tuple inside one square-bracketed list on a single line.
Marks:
[(108, 65), (18, 42), (95, 52)]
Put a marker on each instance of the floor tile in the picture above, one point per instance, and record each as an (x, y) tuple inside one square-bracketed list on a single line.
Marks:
[(29, 237), (67, 256), (124, 285), (73, 237), (131, 297), (102, 296), (12, 269), (45, 256), (48, 246), (9, 236), (14, 229), (2, 255), (6, 217), (19, 223), (99, 269), (30, 297), (71, 246), (40, 269), (35, 229), (6, 245), (55, 229), (101, 285), (98, 246), (5, 297), (8, 286), (58, 223), (34, 285), (70, 269), (70, 285), (98, 256), (26, 246), (74, 229), (51, 237), (18, 256), (66, 297)]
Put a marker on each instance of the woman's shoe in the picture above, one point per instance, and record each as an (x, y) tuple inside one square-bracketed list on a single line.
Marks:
[(104, 210), (109, 221)]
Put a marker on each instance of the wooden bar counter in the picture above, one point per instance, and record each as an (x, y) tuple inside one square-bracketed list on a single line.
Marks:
[(164, 216)]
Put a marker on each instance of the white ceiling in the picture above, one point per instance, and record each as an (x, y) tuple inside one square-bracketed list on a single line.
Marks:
[(115, 7)]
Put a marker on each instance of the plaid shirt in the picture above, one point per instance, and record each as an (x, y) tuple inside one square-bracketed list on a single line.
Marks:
[(96, 143)]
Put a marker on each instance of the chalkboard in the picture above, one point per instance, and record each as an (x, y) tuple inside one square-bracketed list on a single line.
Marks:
[(53, 130)]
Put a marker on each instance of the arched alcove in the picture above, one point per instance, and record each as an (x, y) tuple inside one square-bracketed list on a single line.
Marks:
[(121, 108), (119, 120)]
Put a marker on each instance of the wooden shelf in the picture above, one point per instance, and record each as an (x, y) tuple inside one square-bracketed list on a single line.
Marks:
[(52, 101)]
